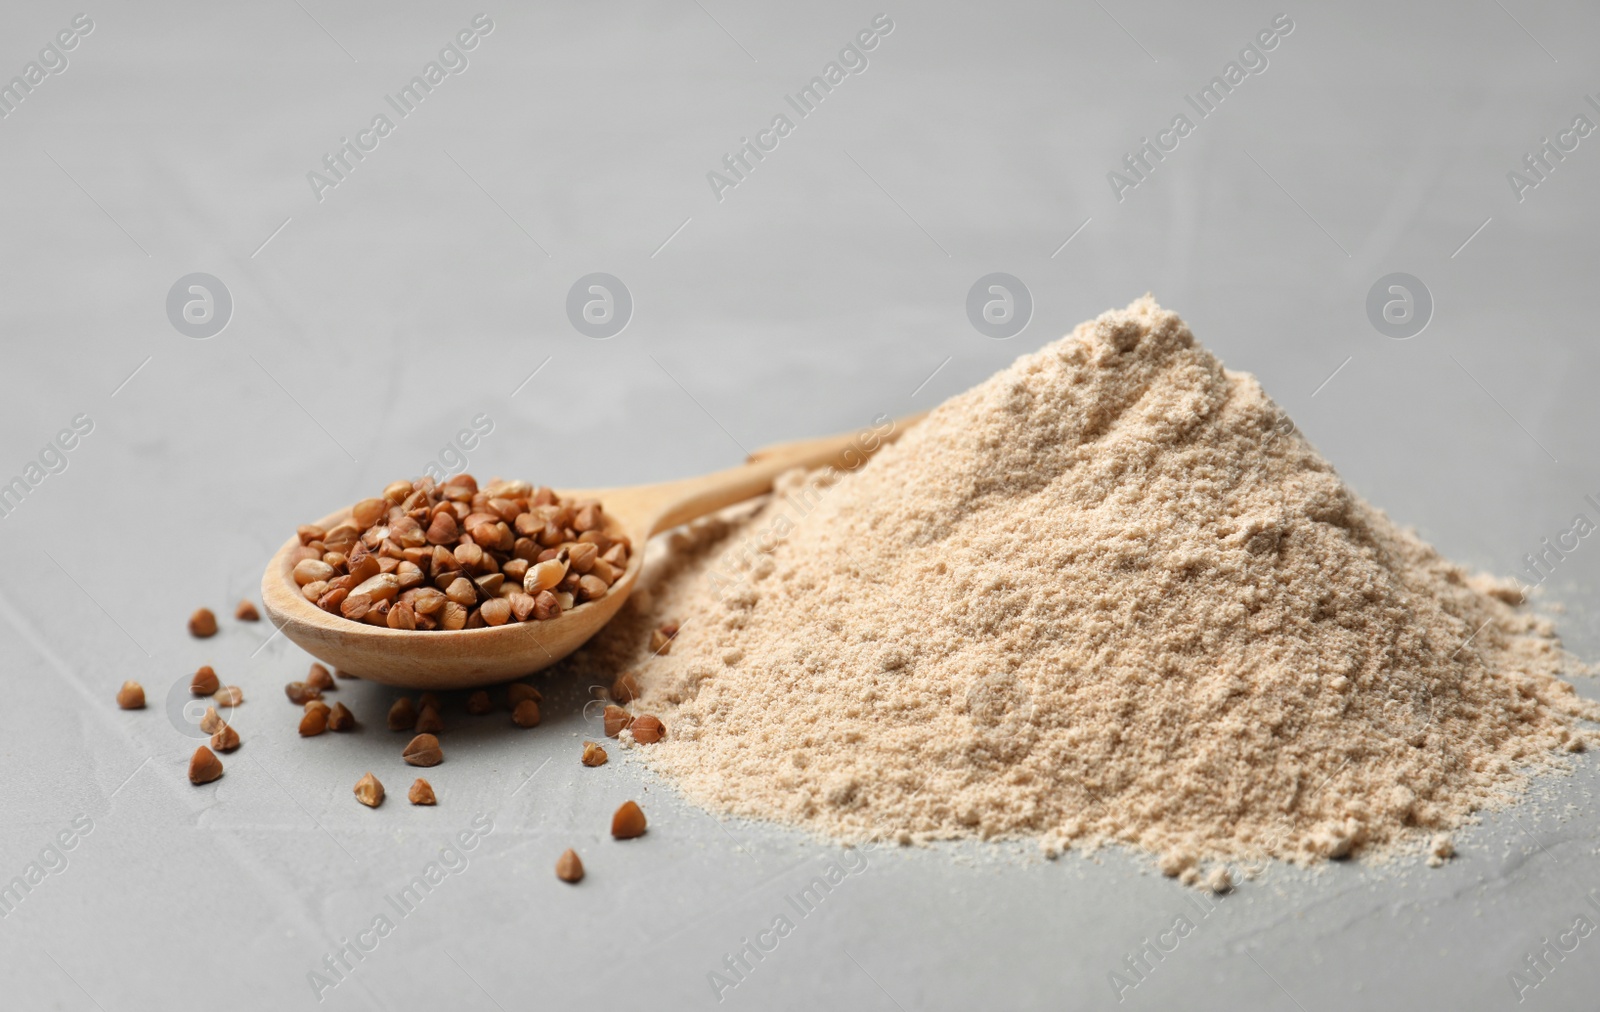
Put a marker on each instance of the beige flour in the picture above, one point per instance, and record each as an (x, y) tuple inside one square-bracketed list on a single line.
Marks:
[(1107, 595)]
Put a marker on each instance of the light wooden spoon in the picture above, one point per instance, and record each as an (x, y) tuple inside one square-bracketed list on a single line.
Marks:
[(437, 659)]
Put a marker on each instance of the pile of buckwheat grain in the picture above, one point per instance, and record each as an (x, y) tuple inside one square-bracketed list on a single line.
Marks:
[(454, 556), (1108, 595)]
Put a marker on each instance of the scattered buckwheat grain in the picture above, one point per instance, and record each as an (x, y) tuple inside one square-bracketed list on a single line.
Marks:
[(318, 678), (647, 729), (569, 868), (340, 718), (402, 715), (369, 791), (204, 682), (313, 722), (225, 740), (516, 692), (625, 689), (210, 723), (299, 692), (131, 696), (204, 766), (423, 750), (202, 623), (628, 821), (616, 720), (428, 720)]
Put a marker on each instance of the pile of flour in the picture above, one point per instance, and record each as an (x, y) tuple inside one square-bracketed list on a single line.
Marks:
[(1109, 594)]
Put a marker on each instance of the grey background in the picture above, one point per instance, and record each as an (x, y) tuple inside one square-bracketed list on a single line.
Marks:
[(827, 288)]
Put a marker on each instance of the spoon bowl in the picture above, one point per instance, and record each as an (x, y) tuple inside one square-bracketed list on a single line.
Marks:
[(442, 660)]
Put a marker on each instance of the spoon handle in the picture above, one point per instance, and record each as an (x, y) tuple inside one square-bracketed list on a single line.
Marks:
[(651, 509)]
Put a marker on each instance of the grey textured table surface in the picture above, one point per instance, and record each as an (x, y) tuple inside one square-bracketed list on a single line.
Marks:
[(373, 316)]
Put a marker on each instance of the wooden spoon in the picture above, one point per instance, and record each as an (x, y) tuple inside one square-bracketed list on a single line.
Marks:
[(437, 659)]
